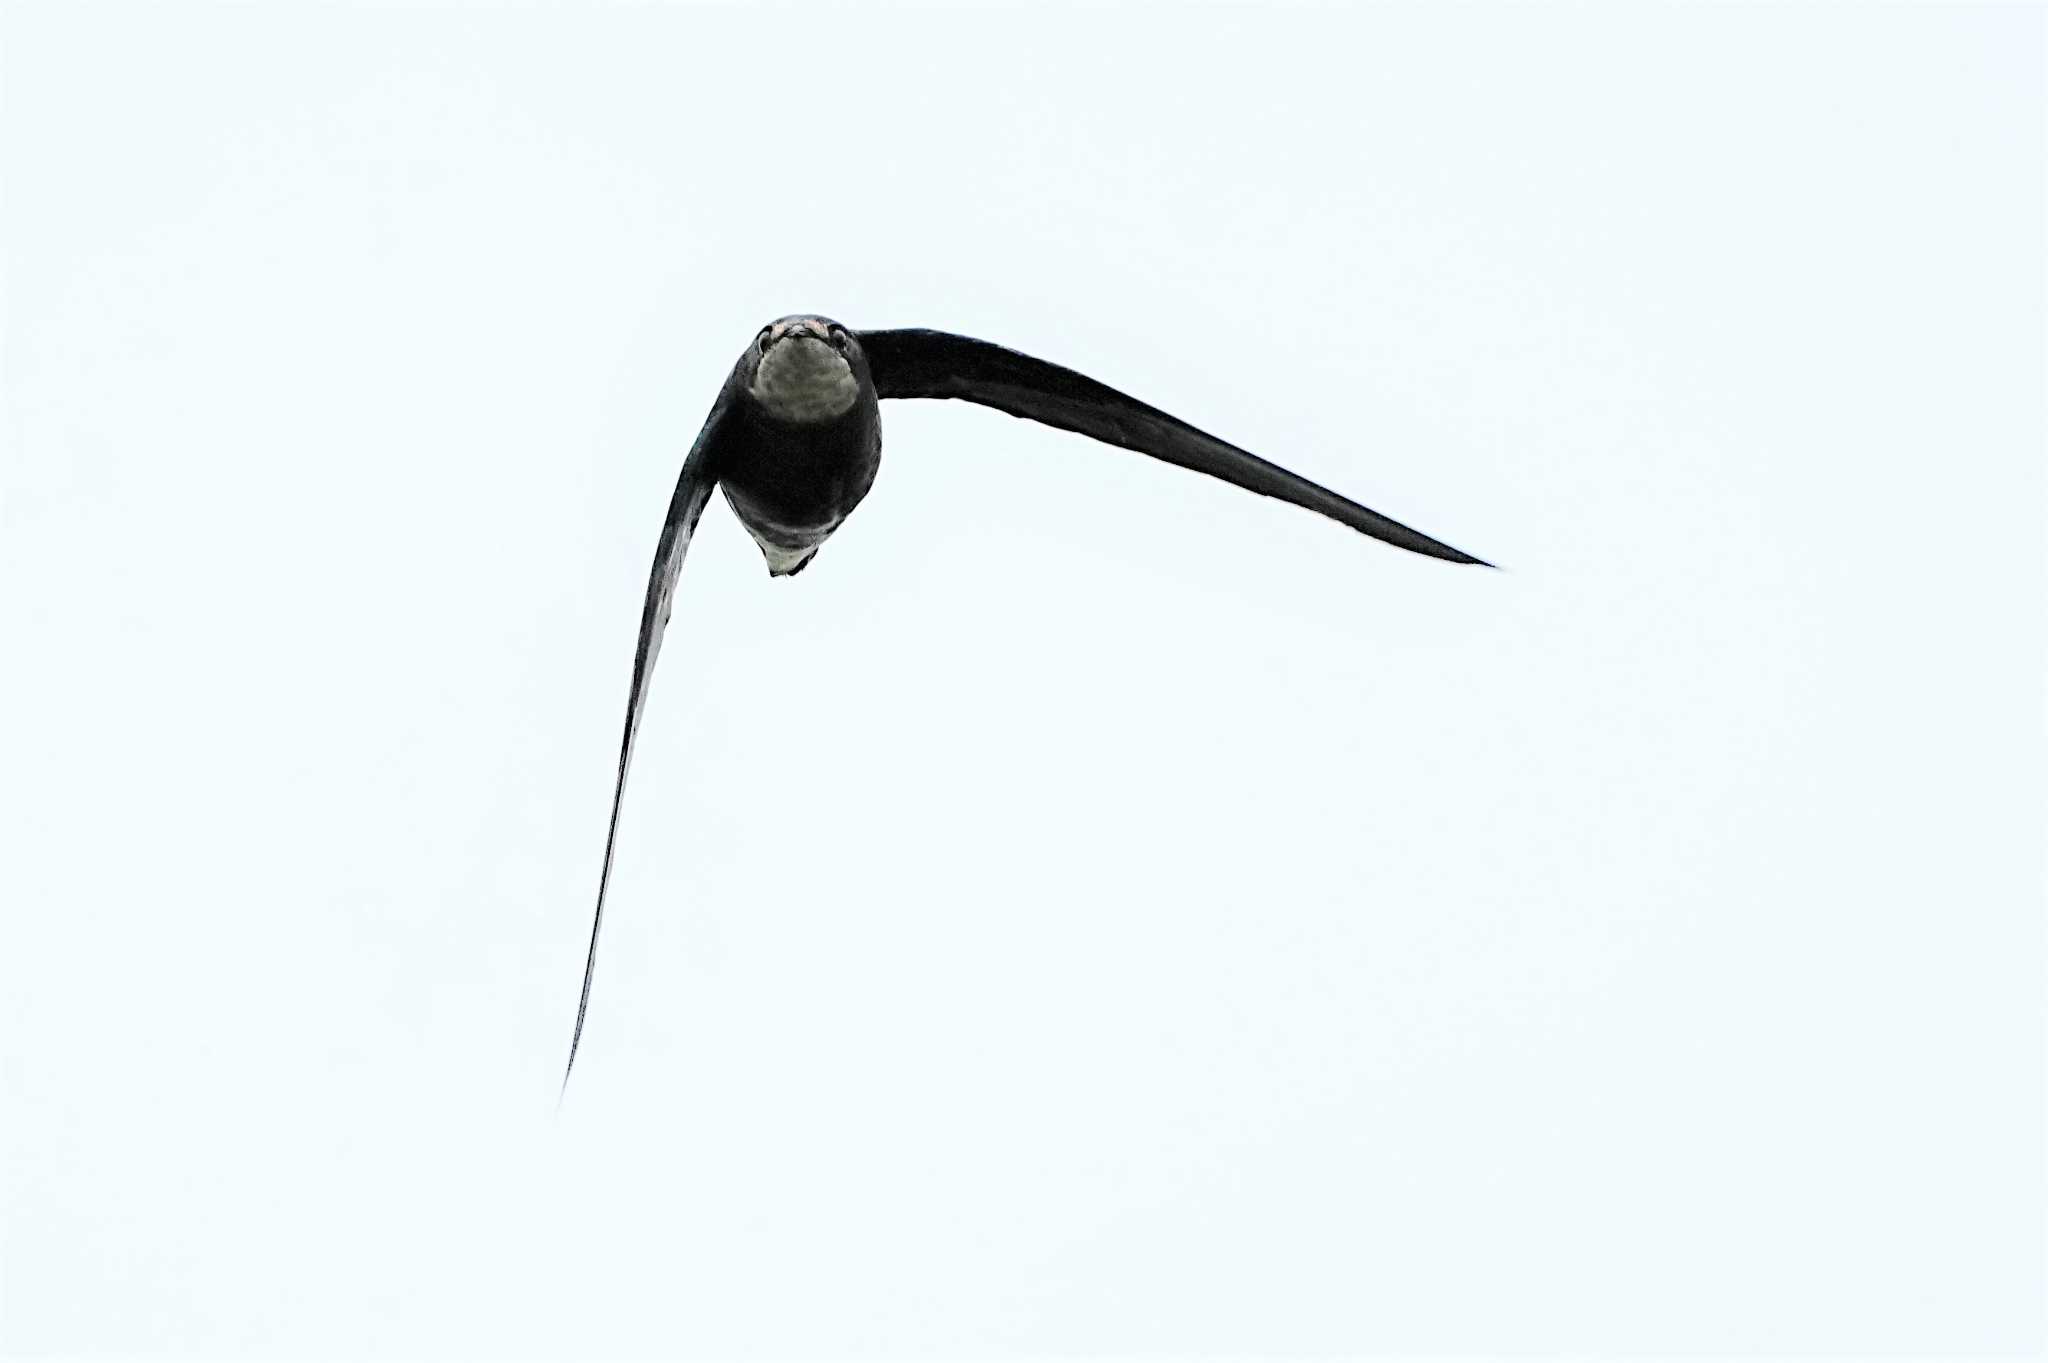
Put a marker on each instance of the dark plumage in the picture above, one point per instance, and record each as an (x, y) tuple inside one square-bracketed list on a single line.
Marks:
[(795, 438)]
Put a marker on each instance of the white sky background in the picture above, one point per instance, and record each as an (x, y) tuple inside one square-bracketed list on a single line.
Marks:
[(1093, 910)]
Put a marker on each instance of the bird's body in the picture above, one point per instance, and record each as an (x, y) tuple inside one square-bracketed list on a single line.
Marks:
[(802, 442), (795, 439)]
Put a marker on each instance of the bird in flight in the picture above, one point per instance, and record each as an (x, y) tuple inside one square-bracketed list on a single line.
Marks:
[(795, 438)]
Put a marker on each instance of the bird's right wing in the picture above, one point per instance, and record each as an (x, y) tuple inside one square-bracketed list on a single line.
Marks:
[(693, 490), (917, 363)]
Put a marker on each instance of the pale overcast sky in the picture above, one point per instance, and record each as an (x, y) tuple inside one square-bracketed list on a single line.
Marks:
[(1093, 911)]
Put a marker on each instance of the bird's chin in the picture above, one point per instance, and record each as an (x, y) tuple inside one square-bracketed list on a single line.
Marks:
[(803, 379)]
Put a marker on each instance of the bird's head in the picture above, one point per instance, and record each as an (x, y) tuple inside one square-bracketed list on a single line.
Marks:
[(801, 369)]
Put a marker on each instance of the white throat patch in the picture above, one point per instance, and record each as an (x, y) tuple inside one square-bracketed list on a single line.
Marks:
[(801, 379)]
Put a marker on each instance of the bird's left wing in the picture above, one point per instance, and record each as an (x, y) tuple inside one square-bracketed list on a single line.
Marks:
[(917, 363), (693, 490)]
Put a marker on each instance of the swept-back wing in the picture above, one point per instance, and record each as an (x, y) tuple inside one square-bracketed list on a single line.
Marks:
[(693, 490), (916, 363)]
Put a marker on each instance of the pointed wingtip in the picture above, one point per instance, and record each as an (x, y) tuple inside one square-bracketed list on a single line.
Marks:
[(576, 1038), (1439, 550)]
